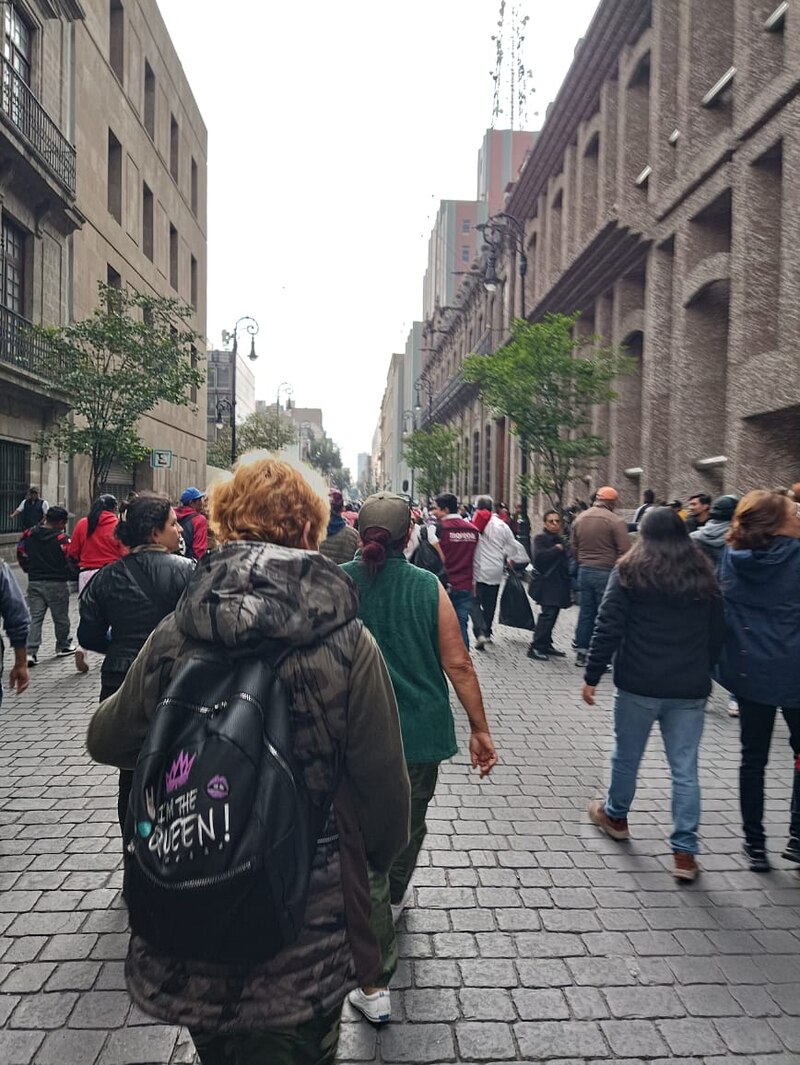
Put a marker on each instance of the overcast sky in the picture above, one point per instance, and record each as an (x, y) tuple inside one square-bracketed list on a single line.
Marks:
[(334, 130)]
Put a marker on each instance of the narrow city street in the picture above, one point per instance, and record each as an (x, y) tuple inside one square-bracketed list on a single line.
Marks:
[(530, 936)]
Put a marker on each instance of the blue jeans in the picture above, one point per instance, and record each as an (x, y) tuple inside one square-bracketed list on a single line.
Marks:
[(592, 583), (462, 601), (681, 723)]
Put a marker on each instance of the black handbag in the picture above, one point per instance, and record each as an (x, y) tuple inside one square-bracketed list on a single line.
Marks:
[(537, 579)]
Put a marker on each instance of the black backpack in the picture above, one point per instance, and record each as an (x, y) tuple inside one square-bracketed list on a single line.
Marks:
[(427, 557), (221, 832), (187, 528)]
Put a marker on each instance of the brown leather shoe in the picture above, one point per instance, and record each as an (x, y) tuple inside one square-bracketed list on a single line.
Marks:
[(685, 866), (81, 664), (616, 827)]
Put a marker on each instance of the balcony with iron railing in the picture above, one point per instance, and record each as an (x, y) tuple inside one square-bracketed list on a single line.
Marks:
[(20, 108), (26, 350)]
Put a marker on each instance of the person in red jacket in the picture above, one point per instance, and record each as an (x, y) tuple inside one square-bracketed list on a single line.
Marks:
[(191, 515), (94, 545)]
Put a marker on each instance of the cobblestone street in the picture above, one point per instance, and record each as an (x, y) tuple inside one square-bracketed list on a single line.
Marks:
[(530, 936)]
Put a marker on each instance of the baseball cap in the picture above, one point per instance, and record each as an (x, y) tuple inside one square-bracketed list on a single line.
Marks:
[(723, 507), (385, 511), (190, 495), (336, 498), (607, 493)]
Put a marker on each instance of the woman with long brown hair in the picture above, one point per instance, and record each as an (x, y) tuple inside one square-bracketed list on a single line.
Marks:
[(661, 620), (760, 662)]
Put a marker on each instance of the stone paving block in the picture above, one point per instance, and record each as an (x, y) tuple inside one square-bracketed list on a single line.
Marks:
[(357, 1042), (43, 1010), (139, 1046), (19, 1048), (454, 945), (29, 977), (101, 1009), (586, 1003), (417, 920), (417, 1043), (709, 1000), (543, 972), (474, 920), (541, 1005), (690, 1036), (779, 968), (644, 1002), (68, 947), (544, 1040), (600, 972), (73, 976), (747, 1035), (434, 973), (757, 1001), (431, 1004), (414, 946), (549, 945), (486, 1004), (7, 1006), (65, 1047), (446, 898), (788, 1031), (489, 972), (112, 976), (633, 1038), (485, 1041)]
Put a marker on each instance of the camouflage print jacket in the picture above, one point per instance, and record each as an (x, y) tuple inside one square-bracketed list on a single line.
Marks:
[(344, 712)]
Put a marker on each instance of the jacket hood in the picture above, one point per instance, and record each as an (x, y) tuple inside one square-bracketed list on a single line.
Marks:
[(758, 565), (712, 533), (248, 591), (45, 532)]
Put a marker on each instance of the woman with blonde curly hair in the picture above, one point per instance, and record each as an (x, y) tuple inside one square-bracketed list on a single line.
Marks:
[(267, 586), (760, 663)]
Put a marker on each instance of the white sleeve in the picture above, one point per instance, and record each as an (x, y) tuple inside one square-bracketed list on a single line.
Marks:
[(432, 537), (19, 508), (45, 507)]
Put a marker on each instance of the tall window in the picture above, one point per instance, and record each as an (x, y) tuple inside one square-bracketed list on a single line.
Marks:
[(114, 177), (174, 140), (14, 481), (173, 256), (194, 188), (114, 282), (465, 254), (116, 37), (193, 359), (17, 42), (13, 266), (193, 282), (476, 462), (149, 100), (147, 221)]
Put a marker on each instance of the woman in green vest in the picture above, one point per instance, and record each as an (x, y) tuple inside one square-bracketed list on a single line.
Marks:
[(413, 621)]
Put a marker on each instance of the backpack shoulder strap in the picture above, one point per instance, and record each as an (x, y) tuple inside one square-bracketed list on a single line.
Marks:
[(146, 582)]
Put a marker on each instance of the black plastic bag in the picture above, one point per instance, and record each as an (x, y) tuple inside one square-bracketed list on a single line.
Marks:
[(515, 610), (427, 557)]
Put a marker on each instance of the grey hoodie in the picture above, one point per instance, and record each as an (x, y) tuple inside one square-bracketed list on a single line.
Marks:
[(711, 538), (344, 714)]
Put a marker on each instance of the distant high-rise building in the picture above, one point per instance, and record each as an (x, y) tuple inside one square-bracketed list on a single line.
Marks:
[(218, 385)]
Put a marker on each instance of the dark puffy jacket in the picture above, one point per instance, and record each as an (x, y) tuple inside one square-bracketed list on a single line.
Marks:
[(761, 589), (553, 564), (666, 646), (114, 600), (42, 553)]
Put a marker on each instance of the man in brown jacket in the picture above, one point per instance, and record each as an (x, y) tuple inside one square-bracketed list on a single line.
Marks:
[(599, 539)]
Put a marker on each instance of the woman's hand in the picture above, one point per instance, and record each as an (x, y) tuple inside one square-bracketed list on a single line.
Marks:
[(482, 752), (588, 694)]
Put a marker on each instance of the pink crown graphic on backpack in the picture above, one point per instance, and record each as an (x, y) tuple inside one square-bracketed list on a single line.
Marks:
[(179, 772)]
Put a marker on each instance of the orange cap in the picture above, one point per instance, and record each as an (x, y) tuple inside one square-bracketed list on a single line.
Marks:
[(608, 493)]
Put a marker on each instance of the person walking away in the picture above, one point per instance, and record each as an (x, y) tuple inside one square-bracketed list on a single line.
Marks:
[(662, 621), (699, 511), (415, 626), (193, 522), (94, 545), (125, 601), (599, 539), (32, 509), (760, 662), (267, 587), (341, 542), (553, 591), (496, 547), (711, 539), (648, 501), (16, 622), (42, 554), (456, 540)]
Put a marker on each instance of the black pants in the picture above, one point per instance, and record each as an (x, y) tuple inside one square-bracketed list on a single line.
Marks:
[(486, 594), (543, 633), (756, 721), (110, 684)]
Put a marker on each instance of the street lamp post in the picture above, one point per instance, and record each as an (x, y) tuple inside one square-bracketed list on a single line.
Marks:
[(410, 416), (251, 327), (499, 229)]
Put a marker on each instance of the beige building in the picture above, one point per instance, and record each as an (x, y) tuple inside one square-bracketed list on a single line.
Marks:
[(142, 148), (38, 213), (661, 201)]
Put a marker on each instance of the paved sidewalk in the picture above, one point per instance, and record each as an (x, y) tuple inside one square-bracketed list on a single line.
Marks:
[(531, 936)]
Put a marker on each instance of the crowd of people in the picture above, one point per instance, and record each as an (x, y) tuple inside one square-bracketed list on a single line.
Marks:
[(354, 620)]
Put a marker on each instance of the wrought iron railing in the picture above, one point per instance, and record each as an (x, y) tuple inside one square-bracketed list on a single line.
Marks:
[(27, 350), (33, 122)]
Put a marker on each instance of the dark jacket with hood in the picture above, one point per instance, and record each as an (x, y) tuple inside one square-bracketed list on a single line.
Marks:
[(42, 553), (116, 599), (663, 646), (761, 589), (553, 564), (344, 715)]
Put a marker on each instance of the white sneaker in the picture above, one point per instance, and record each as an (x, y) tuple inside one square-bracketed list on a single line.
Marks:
[(733, 708), (398, 907), (376, 1007), (480, 642)]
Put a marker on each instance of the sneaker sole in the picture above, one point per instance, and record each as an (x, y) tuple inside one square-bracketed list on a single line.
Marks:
[(687, 875), (382, 1018), (791, 856), (613, 833), (757, 865)]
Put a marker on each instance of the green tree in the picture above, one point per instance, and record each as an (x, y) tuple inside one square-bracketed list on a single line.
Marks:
[(324, 456), (219, 453), (546, 381), (135, 351), (433, 455), (260, 431)]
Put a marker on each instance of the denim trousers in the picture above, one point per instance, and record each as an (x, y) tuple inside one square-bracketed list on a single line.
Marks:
[(681, 723), (756, 722), (592, 583), (462, 604), (55, 596)]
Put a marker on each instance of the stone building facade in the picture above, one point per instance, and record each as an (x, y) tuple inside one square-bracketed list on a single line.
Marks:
[(38, 214), (142, 149), (661, 201)]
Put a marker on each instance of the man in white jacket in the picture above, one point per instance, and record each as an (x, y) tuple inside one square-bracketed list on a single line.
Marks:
[(496, 547)]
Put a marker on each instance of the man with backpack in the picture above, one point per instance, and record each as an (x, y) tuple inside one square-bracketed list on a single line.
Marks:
[(42, 554), (191, 515)]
